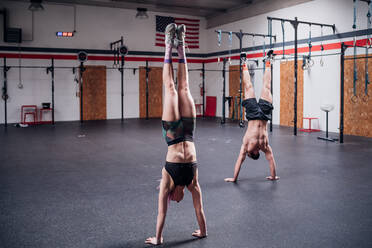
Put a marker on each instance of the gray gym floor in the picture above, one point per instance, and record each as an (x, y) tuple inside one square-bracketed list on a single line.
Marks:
[(95, 186)]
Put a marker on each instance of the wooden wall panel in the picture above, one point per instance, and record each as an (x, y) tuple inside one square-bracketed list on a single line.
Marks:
[(234, 87), (287, 93), (94, 93), (358, 113), (155, 83)]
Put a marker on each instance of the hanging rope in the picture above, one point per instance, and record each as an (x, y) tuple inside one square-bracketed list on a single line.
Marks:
[(366, 83), (321, 46), (355, 7), (230, 45), (219, 37), (270, 31), (282, 22), (20, 85), (309, 42), (264, 53), (355, 78)]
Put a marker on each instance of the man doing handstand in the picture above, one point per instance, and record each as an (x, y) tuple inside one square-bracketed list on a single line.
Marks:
[(257, 114)]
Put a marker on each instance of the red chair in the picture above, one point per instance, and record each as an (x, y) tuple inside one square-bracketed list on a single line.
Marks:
[(210, 109), (199, 110), (29, 110), (309, 129), (41, 121)]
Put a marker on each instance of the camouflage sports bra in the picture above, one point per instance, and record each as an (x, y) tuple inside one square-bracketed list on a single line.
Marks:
[(178, 131)]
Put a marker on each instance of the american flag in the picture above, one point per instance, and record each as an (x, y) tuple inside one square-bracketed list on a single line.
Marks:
[(192, 30)]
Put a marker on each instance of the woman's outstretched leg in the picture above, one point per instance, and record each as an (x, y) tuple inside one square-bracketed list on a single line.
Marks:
[(170, 106), (186, 102)]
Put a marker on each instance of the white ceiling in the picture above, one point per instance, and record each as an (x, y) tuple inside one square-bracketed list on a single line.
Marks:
[(216, 12)]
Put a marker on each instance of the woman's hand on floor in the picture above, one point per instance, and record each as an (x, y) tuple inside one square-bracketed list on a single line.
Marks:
[(198, 234), (154, 241), (271, 178)]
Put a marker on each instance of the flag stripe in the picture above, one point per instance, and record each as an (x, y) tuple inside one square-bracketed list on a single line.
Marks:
[(162, 45), (158, 35), (185, 19), (188, 24), (187, 42), (191, 42), (192, 33), (192, 37), (192, 27)]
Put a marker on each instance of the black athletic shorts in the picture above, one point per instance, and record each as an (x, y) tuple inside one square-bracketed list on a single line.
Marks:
[(260, 110), (181, 173)]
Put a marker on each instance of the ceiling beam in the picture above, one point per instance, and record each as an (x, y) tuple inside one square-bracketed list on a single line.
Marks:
[(250, 10)]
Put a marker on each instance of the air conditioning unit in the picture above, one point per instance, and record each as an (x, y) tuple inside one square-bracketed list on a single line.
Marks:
[(13, 35)]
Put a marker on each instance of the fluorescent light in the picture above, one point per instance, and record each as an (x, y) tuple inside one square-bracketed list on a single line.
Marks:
[(35, 5), (142, 13)]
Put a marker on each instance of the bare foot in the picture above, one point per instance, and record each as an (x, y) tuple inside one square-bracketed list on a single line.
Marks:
[(154, 241), (271, 178), (230, 179), (198, 234)]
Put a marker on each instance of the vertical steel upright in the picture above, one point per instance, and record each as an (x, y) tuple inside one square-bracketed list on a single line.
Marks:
[(147, 90), (224, 92), (81, 71), (343, 48), (5, 92), (295, 26), (122, 87), (271, 71), (52, 72), (241, 122), (203, 86)]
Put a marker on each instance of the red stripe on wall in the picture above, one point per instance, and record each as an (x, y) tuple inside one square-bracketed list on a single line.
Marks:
[(331, 46)]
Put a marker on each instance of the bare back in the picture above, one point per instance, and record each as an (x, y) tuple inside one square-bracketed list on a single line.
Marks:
[(182, 152), (256, 136)]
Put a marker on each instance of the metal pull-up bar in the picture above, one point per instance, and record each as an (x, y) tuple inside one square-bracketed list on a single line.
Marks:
[(120, 50), (295, 22), (240, 36)]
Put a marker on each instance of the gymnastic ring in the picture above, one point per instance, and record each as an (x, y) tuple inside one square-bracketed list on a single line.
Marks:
[(5, 97), (354, 98), (311, 63), (365, 98), (369, 43), (321, 62)]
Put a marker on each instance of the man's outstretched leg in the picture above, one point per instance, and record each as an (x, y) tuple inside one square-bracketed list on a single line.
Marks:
[(247, 83), (266, 87), (265, 102)]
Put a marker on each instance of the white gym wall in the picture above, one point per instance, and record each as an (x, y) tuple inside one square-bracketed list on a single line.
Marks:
[(98, 26)]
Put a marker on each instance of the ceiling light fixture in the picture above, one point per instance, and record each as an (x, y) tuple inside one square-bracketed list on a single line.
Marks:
[(142, 13), (35, 5)]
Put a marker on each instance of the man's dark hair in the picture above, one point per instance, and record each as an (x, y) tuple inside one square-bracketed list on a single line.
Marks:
[(255, 156)]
